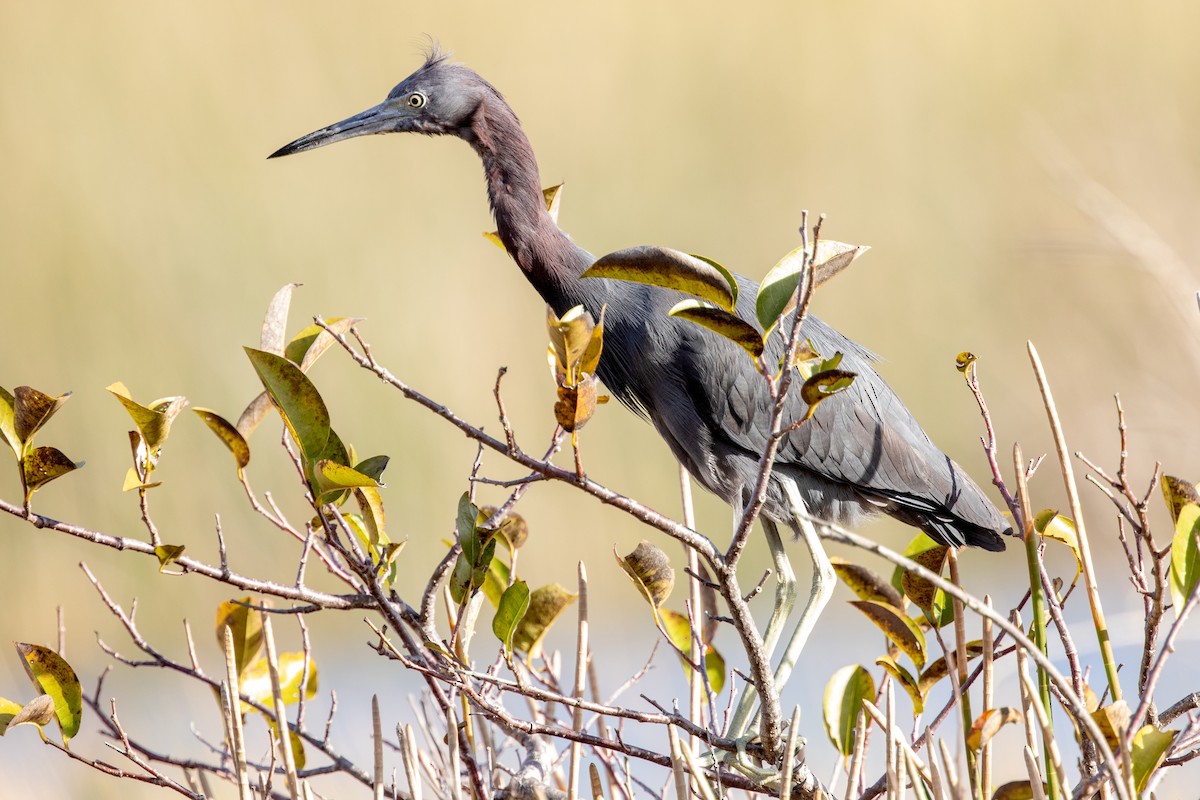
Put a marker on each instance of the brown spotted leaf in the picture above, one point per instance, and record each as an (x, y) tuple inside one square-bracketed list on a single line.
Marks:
[(650, 570), (865, 583), (989, 723), (44, 464), (33, 409)]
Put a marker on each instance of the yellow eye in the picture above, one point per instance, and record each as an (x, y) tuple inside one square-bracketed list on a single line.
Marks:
[(416, 100)]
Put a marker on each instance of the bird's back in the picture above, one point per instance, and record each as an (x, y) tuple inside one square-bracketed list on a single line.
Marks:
[(861, 452)]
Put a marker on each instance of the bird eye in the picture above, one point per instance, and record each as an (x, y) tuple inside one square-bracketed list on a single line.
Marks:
[(416, 100)]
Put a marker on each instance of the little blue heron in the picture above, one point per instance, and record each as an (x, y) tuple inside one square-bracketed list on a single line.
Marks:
[(862, 451)]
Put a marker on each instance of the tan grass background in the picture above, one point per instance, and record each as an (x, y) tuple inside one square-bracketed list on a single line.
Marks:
[(142, 233)]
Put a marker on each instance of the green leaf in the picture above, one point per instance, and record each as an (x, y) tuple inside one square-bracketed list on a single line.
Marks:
[(546, 603), (228, 434), (33, 409), (297, 399), (650, 570), (844, 695), (715, 318), (903, 632), (478, 550), (54, 677), (669, 269), (509, 613), (777, 292), (1150, 747), (373, 467), (312, 341), (1183, 502), (246, 626), (44, 464)]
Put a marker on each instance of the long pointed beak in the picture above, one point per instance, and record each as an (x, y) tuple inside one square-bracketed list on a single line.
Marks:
[(382, 118)]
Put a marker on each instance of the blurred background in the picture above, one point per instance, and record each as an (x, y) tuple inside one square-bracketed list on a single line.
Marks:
[(1021, 170)]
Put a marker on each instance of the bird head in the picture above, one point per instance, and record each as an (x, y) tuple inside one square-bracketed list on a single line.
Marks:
[(439, 98)]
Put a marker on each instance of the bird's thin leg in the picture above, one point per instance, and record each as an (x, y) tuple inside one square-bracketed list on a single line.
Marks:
[(823, 582), (785, 601)]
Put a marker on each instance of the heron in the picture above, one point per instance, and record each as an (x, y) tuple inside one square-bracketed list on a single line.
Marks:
[(861, 453)]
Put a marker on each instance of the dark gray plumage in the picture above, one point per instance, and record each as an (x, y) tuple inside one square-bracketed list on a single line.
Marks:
[(861, 452)]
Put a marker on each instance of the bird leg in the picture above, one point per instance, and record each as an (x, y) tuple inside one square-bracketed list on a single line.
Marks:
[(785, 601), (823, 582)]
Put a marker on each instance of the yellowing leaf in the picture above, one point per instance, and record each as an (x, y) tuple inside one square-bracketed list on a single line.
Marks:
[(8, 430), (228, 434), (246, 626), (168, 554), (865, 583), (1183, 501), (679, 631), (8, 710), (989, 723), (932, 601), (844, 695), (1150, 747), (511, 609), (823, 385), (897, 627), (906, 681), (255, 681), (54, 677), (1113, 721), (669, 269), (732, 327), (1056, 527)]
